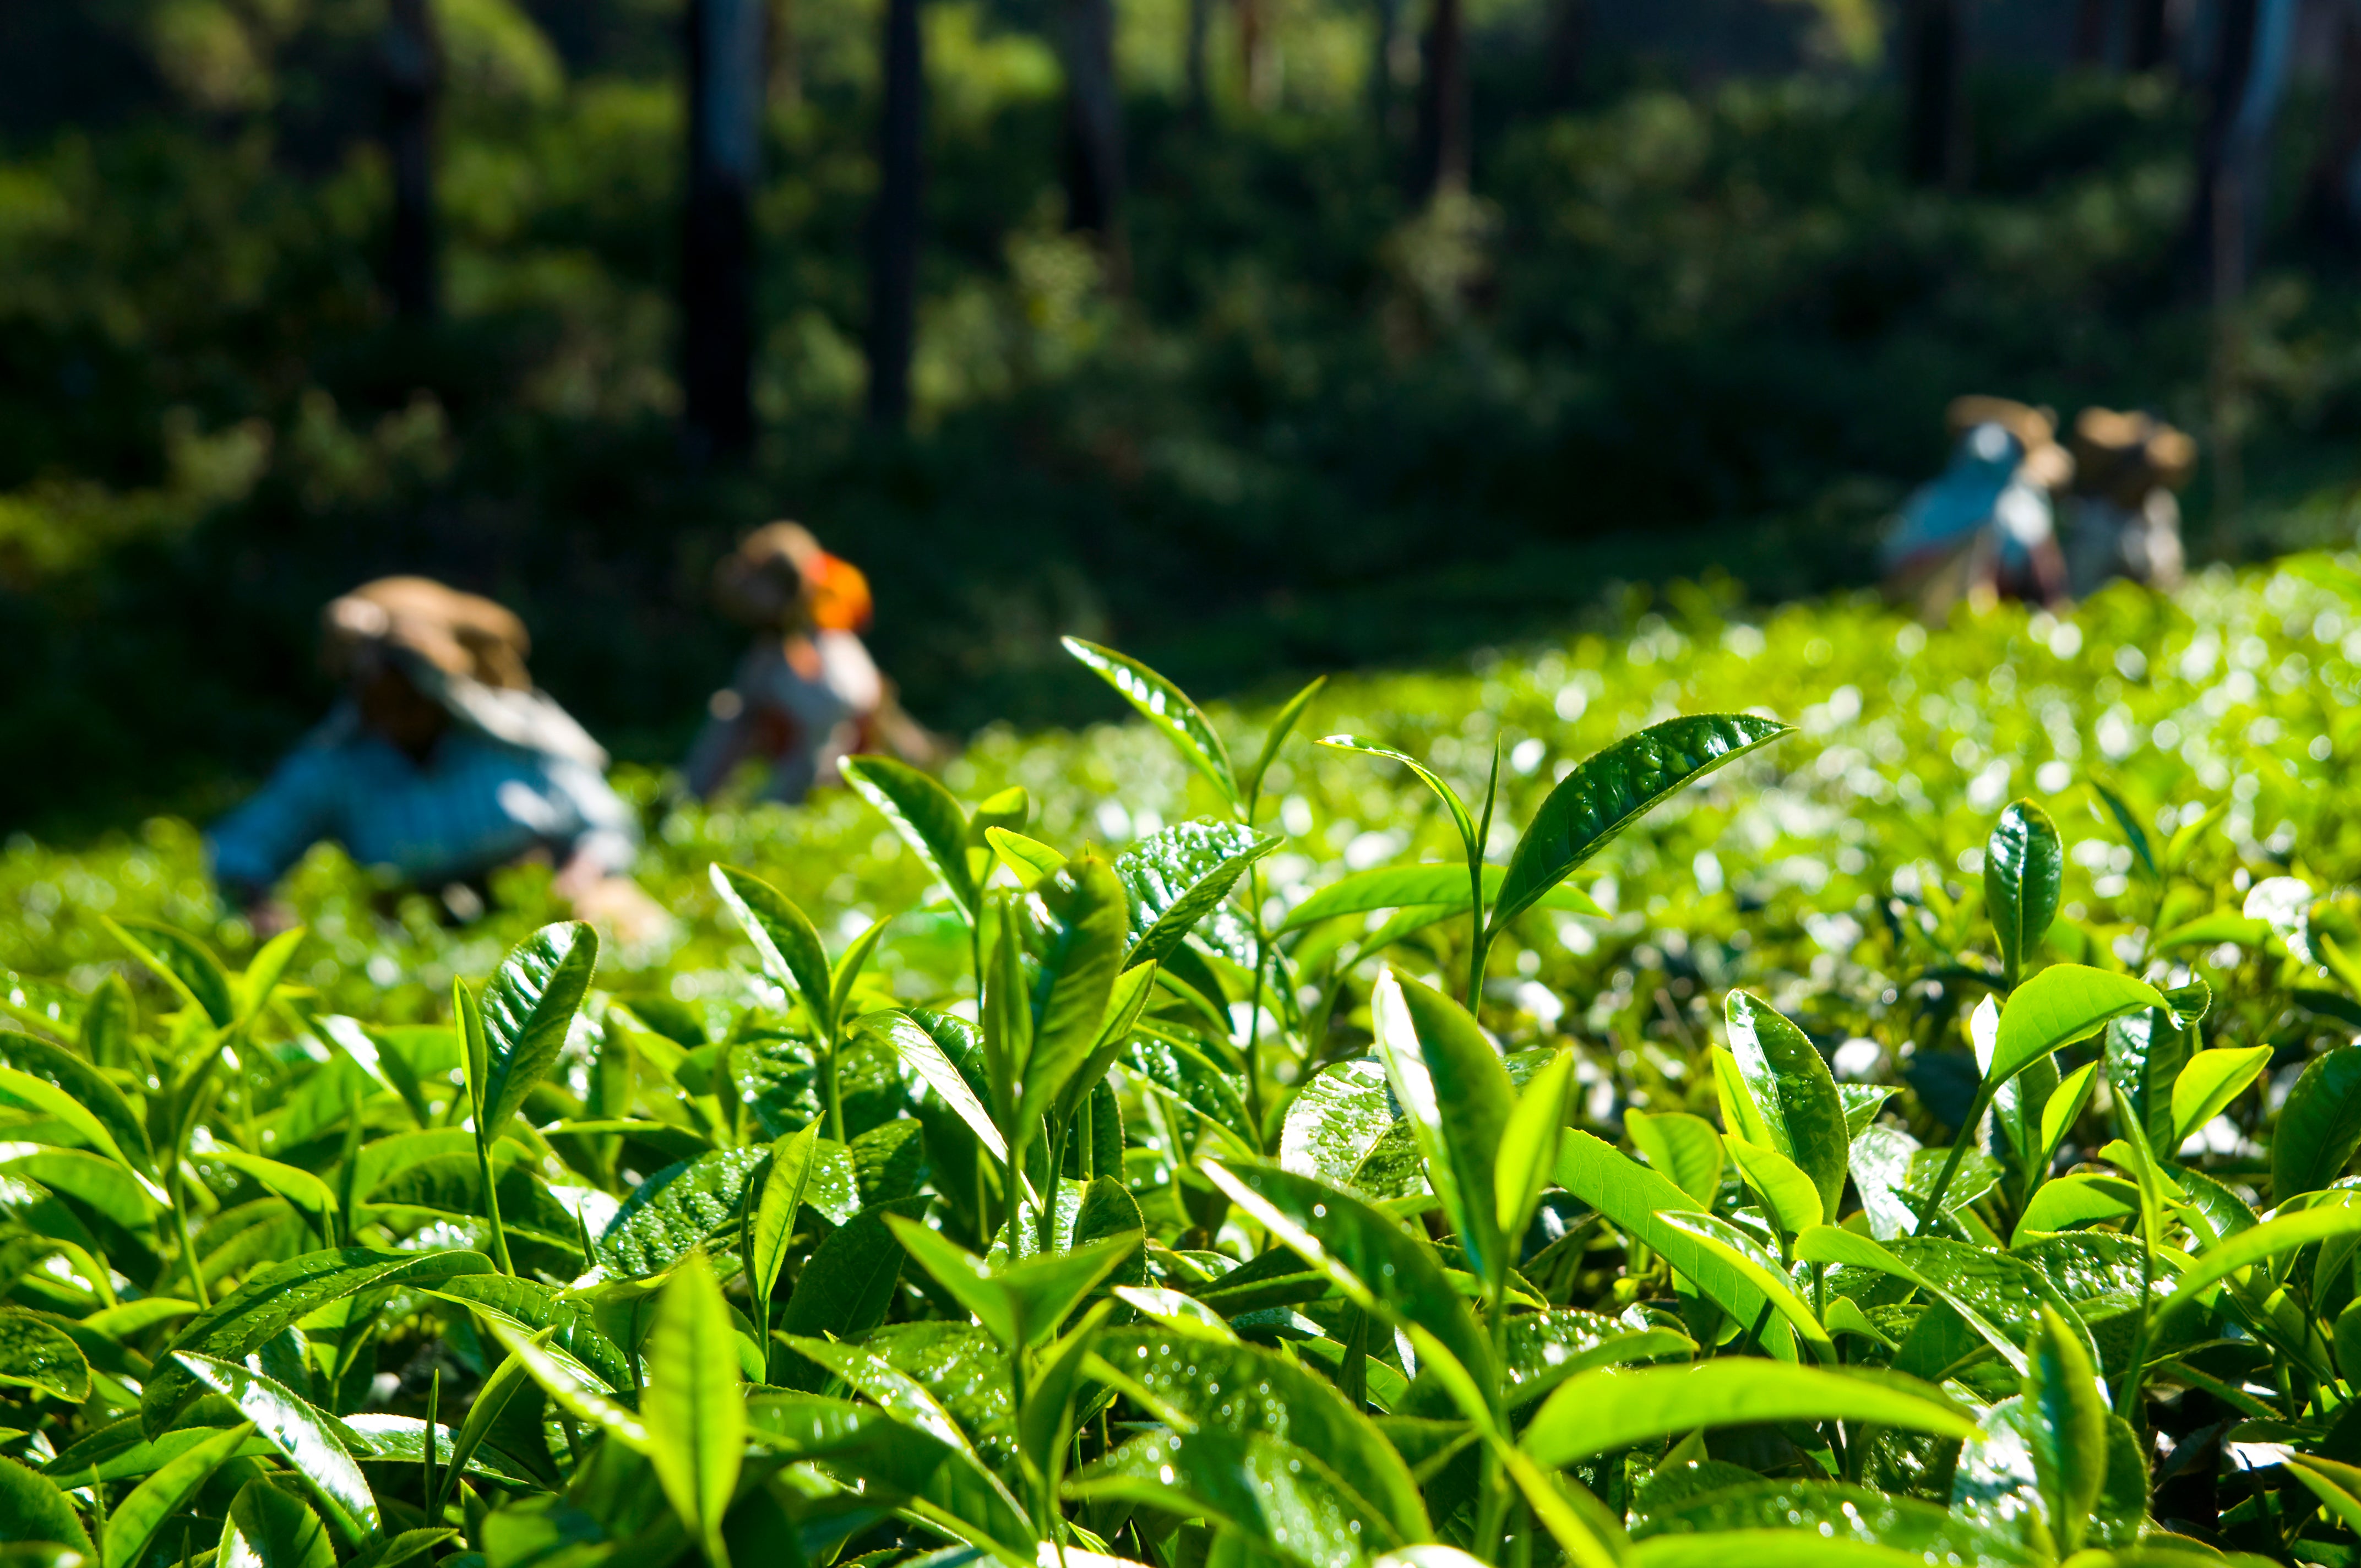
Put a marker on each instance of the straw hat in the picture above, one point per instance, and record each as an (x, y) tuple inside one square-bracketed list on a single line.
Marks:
[(462, 635), (2128, 455), (779, 575), (2045, 462)]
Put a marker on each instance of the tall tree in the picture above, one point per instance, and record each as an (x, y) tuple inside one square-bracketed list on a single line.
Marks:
[(1442, 152), (2253, 41), (411, 58), (1094, 162), (726, 82), (893, 222), (2332, 190), (1936, 139), (2152, 41)]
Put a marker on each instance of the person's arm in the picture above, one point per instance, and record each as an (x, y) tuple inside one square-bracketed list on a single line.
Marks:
[(594, 875), (250, 848)]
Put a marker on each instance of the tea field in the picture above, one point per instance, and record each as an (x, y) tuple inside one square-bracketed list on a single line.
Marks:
[(1727, 1087)]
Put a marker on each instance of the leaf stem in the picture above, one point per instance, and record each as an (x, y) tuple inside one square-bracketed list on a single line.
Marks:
[(1932, 1204), (493, 1203), (188, 1247)]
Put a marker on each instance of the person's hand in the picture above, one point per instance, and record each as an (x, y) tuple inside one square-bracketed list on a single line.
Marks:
[(266, 917), (617, 905)]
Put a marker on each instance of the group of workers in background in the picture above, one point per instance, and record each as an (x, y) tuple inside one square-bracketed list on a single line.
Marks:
[(2018, 514), (442, 761)]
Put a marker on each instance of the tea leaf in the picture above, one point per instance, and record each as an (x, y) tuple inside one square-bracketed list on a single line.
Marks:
[(694, 1412), (1165, 706), (1794, 1092), (528, 1007), (784, 941), (298, 1431), (269, 1527), (926, 817), (2025, 863), (1600, 1412)]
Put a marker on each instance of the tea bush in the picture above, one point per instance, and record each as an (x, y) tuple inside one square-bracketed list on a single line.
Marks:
[(1797, 1090)]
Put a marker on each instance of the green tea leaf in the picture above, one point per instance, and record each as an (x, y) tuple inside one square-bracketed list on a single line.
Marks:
[(694, 1407), (2225, 1257), (1082, 953), (792, 1158), (185, 964), (2146, 1050), (2025, 863), (528, 1007), (60, 1105), (1165, 706), (2066, 1422), (1609, 790), (1282, 725), (1274, 1493), (1739, 1252), (297, 1431), (1435, 785), (785, 940), (925, 1056), (32, 1509), (132, 1524), (1795, 1094), (923, 812), (678, 1207), (89, 1088), (1787, 1194), (1600, 1412), (1456, 1096), (1030, 858), (1439, 889), (2320, 1126), (269, 1527), (573, 1386), (531, 1305), (1179, 877), (1779, 1517), (2063, 1003), (1243, 1388), (301, 1188), (1682, 1148), (848, 1283), (42, 1357), (277, 1294), (1640, 1201), (2208, 1084), (1528, 1152)]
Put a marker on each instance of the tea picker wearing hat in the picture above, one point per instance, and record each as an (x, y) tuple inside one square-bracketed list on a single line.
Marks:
[(2126, 521), (807, 695), (1985, 526), (440, 762)]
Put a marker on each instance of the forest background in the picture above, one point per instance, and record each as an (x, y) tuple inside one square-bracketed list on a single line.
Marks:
[(1259, 336)]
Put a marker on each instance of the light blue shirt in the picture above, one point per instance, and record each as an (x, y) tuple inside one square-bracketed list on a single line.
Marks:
[(476, 802)]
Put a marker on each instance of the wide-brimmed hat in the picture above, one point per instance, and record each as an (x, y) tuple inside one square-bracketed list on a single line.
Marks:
[(2131, 453), (462, 650), (779, 576), (457, 633), (2045, 462)]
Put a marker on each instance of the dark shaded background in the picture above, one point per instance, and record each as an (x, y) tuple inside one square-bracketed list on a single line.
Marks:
[(1696, 317)]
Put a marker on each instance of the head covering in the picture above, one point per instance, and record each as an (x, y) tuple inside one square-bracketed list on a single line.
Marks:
[(2044, 462), (2124, 455), (779, 577), (461, 650)]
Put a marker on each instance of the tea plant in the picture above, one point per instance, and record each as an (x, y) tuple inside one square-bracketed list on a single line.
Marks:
[(1205, 1202)]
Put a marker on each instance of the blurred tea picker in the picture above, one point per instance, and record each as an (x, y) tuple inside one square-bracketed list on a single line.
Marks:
[(2125, 519), (1986, 526), (440, 762), (807, 695)]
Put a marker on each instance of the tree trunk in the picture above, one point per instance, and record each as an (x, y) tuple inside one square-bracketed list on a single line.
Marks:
[(2091, 32), (787, 56), (1094, 163), (725, 126), (2252, 45), (893, 223), (1192, 59), (2332, 190), (1563, 48), (413, 61), (2152, 41), (1443, 151), (1935, 77), (1259, 54)]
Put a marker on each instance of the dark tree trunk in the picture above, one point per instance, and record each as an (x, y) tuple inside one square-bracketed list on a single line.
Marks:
[(787, 56), (1192, 59), (1563, 48), (1382, 64), (2253, 41), (2152, 41), (1442, 152), (1094, 134), (1258, 53), (725, 128), (412, 61), (1935, 77), (893, 224), (2091, 32), (2333, 191)]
